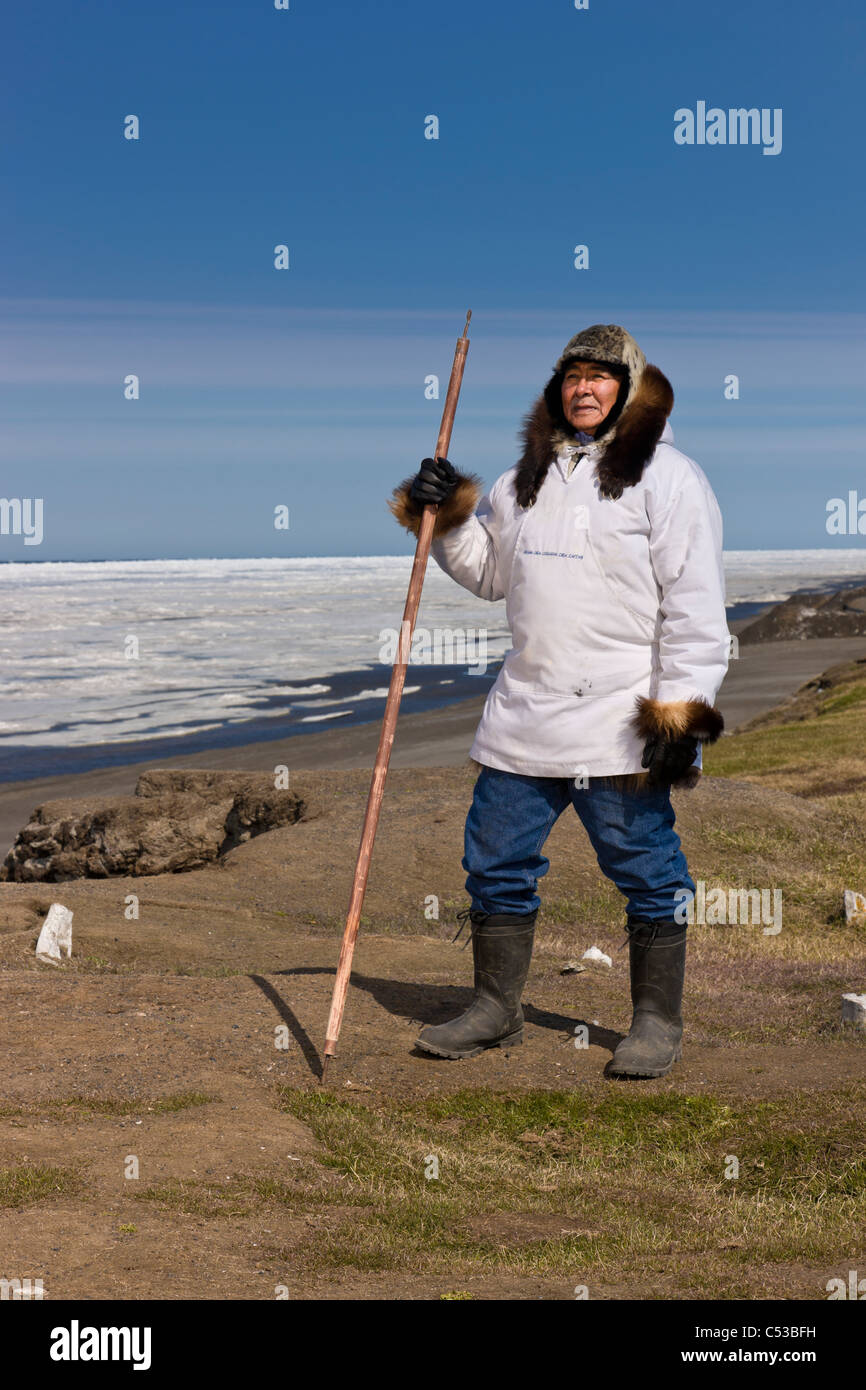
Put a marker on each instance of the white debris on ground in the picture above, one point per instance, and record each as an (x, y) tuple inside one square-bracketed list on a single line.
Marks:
[(55, 936), (855, 907), (854, 1009), (595, 954)]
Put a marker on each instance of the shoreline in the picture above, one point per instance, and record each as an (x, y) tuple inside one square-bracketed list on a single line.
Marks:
[(359, 706), (356, 706), (764, 675)]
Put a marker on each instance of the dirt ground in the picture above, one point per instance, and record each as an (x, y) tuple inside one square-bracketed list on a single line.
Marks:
[(170, 1039), (153, 1035)]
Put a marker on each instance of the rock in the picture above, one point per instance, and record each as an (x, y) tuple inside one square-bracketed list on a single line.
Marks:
[(572, 967), (199, 782), (56, 935), (176, 821), (126, 836), (854, 1009), (595, 954), (252, 812), (855, 908), (839, 614)]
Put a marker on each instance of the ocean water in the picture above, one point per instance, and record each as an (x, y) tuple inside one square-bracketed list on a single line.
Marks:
[(116, 661)]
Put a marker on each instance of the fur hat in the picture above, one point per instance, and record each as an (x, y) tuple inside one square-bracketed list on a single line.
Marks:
[(607, 343), (610, 346), (630, 430)]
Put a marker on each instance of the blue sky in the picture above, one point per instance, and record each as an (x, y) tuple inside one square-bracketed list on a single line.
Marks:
[(306, 127)]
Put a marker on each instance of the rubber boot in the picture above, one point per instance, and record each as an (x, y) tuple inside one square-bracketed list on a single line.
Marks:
[(657, 967), (501, 949)]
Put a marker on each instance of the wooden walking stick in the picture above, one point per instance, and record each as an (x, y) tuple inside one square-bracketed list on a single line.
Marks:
[(389, 722)]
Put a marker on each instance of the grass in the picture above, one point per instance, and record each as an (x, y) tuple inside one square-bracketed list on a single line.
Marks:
[(240, 1195), (811, 744), (851, 697), (82, 1107), (611, 1131), (638, 1175), (813, 748), (27, 1183), (587, 1186)]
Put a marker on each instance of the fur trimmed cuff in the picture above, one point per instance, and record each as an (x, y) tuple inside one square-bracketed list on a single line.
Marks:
[(453, 512), (677, 719)]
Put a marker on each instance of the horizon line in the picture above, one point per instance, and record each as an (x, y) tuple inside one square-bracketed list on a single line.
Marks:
[(383, 555)]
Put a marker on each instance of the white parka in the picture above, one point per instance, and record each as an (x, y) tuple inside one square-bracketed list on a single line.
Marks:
[(606, 600)]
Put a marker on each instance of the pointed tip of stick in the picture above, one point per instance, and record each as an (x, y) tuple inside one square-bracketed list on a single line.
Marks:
[(466, 325), (325, 1060)]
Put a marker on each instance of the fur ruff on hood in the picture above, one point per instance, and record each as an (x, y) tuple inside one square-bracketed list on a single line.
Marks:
[(628, 444)]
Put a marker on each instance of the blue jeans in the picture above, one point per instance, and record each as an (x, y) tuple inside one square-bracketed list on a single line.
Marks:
[(632, 834)]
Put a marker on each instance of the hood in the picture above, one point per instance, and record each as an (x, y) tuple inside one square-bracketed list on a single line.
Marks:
[(610, 345), (628, 435)]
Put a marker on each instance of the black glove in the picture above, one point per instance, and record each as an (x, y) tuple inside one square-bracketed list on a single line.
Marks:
[(668, 758), (435, 481)]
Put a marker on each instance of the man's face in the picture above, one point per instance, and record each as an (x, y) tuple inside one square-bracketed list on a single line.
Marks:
[(589, 392)]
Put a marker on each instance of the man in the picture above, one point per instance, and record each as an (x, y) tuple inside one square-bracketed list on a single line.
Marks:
[(606, 544)]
